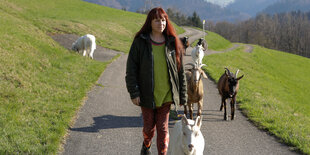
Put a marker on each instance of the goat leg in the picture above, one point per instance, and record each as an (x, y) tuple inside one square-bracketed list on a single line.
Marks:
[(221, 108), (232, 106), (190, 108), (88, 52), (225, 112), (222, 103), (92, 53), (185, 110), (200, 105)]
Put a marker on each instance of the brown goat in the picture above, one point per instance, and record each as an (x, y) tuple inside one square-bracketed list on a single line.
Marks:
[(185, 43), (228, 86), (194, 88)]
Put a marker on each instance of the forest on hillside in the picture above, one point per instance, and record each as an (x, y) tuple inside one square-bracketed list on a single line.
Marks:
[(181, 19), (287, 6), (289, 32), (204, 9)]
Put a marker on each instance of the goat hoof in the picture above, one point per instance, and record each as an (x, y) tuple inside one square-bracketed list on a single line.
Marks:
[(233, 117)]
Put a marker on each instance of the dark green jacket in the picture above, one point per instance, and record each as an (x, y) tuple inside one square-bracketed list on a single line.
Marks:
[(140, 72)]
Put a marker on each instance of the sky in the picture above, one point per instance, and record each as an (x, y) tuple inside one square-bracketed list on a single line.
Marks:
[(222, 3)]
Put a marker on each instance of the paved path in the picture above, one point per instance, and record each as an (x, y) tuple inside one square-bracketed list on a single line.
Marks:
[(248, 48), (109, 124)]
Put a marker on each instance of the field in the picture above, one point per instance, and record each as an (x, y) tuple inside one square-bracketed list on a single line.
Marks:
[(42, 85), (273, 92)]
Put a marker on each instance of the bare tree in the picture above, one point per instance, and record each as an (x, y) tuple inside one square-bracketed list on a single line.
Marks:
[(289, 32)]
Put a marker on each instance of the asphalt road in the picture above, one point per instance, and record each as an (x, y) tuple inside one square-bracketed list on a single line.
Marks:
[(109, 124)]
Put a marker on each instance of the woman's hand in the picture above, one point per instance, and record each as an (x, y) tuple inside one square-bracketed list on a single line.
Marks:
[(136, 101)]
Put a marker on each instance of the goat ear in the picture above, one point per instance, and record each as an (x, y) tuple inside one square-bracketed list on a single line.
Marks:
[(240, 77), (198, 121), (184, 120)]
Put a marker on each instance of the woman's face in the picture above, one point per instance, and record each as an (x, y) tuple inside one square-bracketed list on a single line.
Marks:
[(158, 25)]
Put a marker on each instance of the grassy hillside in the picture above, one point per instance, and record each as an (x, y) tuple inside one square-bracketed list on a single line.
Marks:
[(274, 91), (113, 28), (215, 41), (42, 84)]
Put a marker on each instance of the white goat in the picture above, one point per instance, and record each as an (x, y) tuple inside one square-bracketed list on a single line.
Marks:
[(204, 43), (186, 137), (198, 54), (87, 44)]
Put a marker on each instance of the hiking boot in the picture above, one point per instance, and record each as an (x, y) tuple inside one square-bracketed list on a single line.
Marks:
[(145, 150)]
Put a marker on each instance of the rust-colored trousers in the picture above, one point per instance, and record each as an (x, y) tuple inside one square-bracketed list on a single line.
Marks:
[(156, 119)]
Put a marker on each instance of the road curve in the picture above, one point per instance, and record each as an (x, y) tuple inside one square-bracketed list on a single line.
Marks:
[(109, 124)]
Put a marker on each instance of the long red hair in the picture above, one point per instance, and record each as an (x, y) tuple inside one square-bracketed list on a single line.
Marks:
[(159, 13)]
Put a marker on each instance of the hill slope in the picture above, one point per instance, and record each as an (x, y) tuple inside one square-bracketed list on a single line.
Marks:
[(206, 10), (273, 92), (283, 6), (42, 84), (250, 7)]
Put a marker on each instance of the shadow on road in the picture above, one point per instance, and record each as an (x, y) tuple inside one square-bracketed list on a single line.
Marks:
[(111, 122)]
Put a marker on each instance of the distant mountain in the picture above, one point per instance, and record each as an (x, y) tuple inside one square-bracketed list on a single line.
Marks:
[(288, 6), (250, 7), (222, 3), (238, 10), (129, 5), (205, 10)]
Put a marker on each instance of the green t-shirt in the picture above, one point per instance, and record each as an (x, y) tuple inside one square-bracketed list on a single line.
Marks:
[(162, 87)]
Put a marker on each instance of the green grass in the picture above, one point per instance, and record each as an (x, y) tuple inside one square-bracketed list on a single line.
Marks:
[(113, 28), (42, 85), (215, 41), (274, 91)]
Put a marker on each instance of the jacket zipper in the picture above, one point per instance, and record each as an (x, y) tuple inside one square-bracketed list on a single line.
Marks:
[(153, 102), (169, 70)]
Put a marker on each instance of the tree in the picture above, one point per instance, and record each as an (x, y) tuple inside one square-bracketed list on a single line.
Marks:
[(289, 32), (195, 20)]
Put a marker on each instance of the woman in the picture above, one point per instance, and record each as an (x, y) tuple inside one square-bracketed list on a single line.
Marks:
[(155, 77)]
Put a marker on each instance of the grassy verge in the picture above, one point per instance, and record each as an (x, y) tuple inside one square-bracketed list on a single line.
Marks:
[(42, 84), (41, 87), (215, 41), (273, 92)]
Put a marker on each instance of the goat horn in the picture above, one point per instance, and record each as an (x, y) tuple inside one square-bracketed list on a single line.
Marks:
[(237, 73), (184, 120), (198, 121), (227, 70), (202, 65)]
